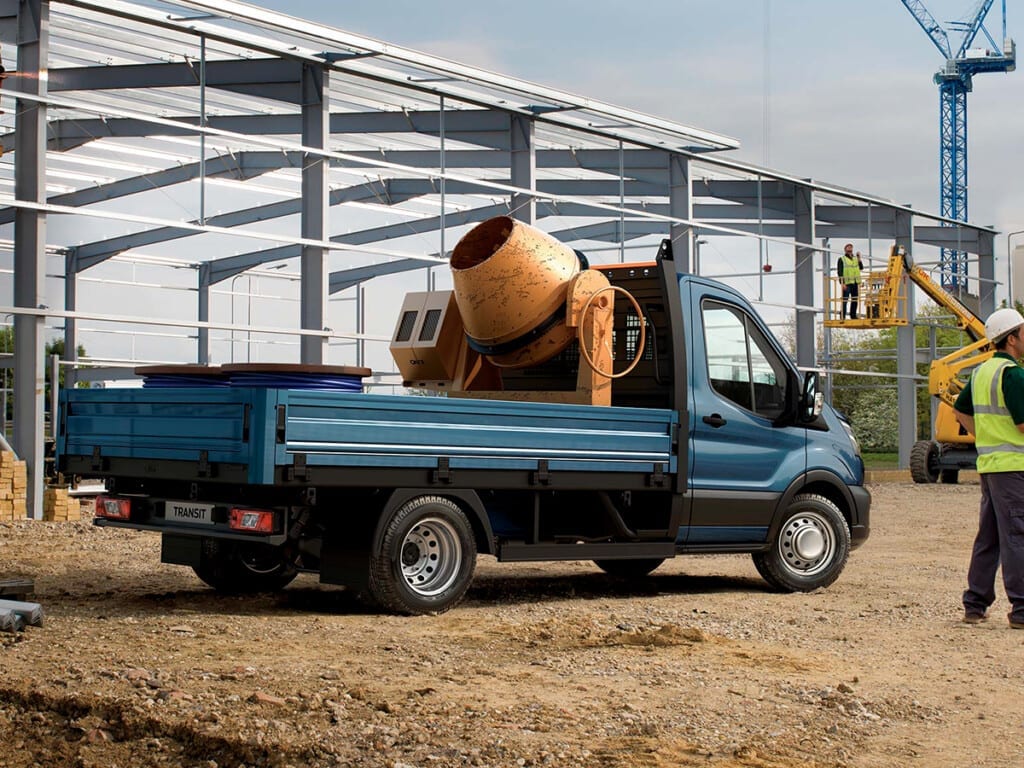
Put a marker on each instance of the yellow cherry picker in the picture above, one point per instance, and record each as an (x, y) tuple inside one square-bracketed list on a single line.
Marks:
[(883, 304)]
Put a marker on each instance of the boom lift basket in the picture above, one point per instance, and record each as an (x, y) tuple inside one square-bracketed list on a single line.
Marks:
[(882, 302)]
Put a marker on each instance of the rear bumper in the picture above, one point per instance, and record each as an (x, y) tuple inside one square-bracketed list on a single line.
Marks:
[(213, 532), (860, 518)]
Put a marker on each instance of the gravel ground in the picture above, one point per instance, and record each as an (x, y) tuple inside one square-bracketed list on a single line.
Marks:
[(543, 665)]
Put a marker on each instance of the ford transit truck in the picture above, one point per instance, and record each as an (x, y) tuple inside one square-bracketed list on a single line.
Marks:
[(622, 414)]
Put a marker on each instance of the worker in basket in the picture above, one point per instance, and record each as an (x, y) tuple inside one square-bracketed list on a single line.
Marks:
[(849, 268)]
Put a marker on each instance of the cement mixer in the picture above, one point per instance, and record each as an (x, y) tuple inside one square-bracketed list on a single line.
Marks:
[(520, 298)]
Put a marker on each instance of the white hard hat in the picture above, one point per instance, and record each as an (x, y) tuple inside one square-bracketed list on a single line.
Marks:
[(1001, 322)]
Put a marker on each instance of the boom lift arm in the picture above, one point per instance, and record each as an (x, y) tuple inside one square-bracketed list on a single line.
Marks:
[(944, 375), (883, 305)]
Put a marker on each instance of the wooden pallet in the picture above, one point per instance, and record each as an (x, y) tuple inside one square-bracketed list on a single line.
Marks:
[(16, 589)]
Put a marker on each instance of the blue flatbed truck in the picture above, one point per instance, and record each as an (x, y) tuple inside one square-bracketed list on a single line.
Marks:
[(714, 443)]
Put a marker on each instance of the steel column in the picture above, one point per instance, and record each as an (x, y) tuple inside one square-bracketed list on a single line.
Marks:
[(803, 226), (906, 352), (30, 244), (986, 274), (315, 211), (827, 360), (70, 323), (680, 205), (203, 314), (523, 167)]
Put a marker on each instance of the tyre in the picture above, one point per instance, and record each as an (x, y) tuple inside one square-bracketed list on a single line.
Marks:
[(426, 558), (950, 476), (629, 569), (924, 461), (810, 549), (240, 568)]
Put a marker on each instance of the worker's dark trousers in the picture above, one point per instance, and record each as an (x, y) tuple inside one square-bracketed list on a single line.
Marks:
[(1000, 539), (850, 293)]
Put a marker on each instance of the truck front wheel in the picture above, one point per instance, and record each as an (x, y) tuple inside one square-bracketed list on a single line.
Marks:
[(241, 568), (810, 548), (426, 557)]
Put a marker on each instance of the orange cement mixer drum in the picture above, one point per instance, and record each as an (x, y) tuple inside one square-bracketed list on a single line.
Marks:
[(510, 284)]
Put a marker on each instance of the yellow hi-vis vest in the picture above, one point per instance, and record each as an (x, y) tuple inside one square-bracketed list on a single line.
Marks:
[(851, 269), (1000, 444)]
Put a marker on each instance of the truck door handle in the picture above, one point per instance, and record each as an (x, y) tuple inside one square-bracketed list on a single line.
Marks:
[(714, 420)]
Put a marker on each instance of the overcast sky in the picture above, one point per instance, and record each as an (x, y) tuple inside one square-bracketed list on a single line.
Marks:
[(849, 92)]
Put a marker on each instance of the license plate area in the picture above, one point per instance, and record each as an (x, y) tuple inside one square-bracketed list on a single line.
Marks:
[(188, 512)]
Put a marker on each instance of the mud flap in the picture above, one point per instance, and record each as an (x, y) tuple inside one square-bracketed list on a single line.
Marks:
[(345, 555), (181, 550)]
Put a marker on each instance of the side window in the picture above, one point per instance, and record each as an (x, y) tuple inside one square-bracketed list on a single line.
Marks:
[(742, 365)]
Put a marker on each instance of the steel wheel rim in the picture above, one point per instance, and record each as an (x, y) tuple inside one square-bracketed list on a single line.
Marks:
[(256, 561), (807, 544), (431, 556)]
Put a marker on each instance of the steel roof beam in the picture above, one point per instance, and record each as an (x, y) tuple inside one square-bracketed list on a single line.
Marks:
[(347, 278), (224, 165), (740, 190), (223, 269), (91, 254), (269, 78), (856, 230), (779, 230), (604, 231), (608, 188), (948, 237), (398, 190), (421, 226), (856, 214), (487, 128), (636, 163), (613, 231)]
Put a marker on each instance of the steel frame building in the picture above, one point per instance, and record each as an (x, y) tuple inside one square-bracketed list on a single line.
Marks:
[(215, 139)]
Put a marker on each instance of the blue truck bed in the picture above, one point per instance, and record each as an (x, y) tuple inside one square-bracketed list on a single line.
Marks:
[(266, 429)]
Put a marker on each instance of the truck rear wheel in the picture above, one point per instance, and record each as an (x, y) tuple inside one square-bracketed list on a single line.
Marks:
[(426, 557), (241, 568), (629, 569), (810, 549)]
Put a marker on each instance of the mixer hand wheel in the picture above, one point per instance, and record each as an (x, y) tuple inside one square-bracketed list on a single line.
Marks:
[(641, 342)]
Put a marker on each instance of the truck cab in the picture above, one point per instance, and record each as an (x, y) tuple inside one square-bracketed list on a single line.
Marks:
[(752, 453)]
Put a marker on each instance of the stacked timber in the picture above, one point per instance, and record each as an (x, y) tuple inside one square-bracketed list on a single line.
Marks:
[(16, 589), (13, 487), (58, 505)]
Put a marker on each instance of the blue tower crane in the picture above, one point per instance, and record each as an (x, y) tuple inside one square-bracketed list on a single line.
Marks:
[(955, 82)]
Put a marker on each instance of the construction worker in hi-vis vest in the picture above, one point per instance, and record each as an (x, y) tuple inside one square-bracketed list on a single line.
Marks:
[(849, 268), (991, 407)]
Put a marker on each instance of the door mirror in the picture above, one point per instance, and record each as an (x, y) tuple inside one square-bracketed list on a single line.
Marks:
[(812, 400)]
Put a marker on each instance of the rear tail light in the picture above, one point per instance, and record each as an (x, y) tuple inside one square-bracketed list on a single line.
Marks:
[(252, 520), (113, 509)]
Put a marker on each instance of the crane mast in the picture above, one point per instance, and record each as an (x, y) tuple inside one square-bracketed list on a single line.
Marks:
[(955, 81)]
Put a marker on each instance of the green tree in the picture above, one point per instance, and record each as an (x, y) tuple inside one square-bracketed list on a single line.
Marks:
[(53, 347), (874, 352), (872, 415)]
